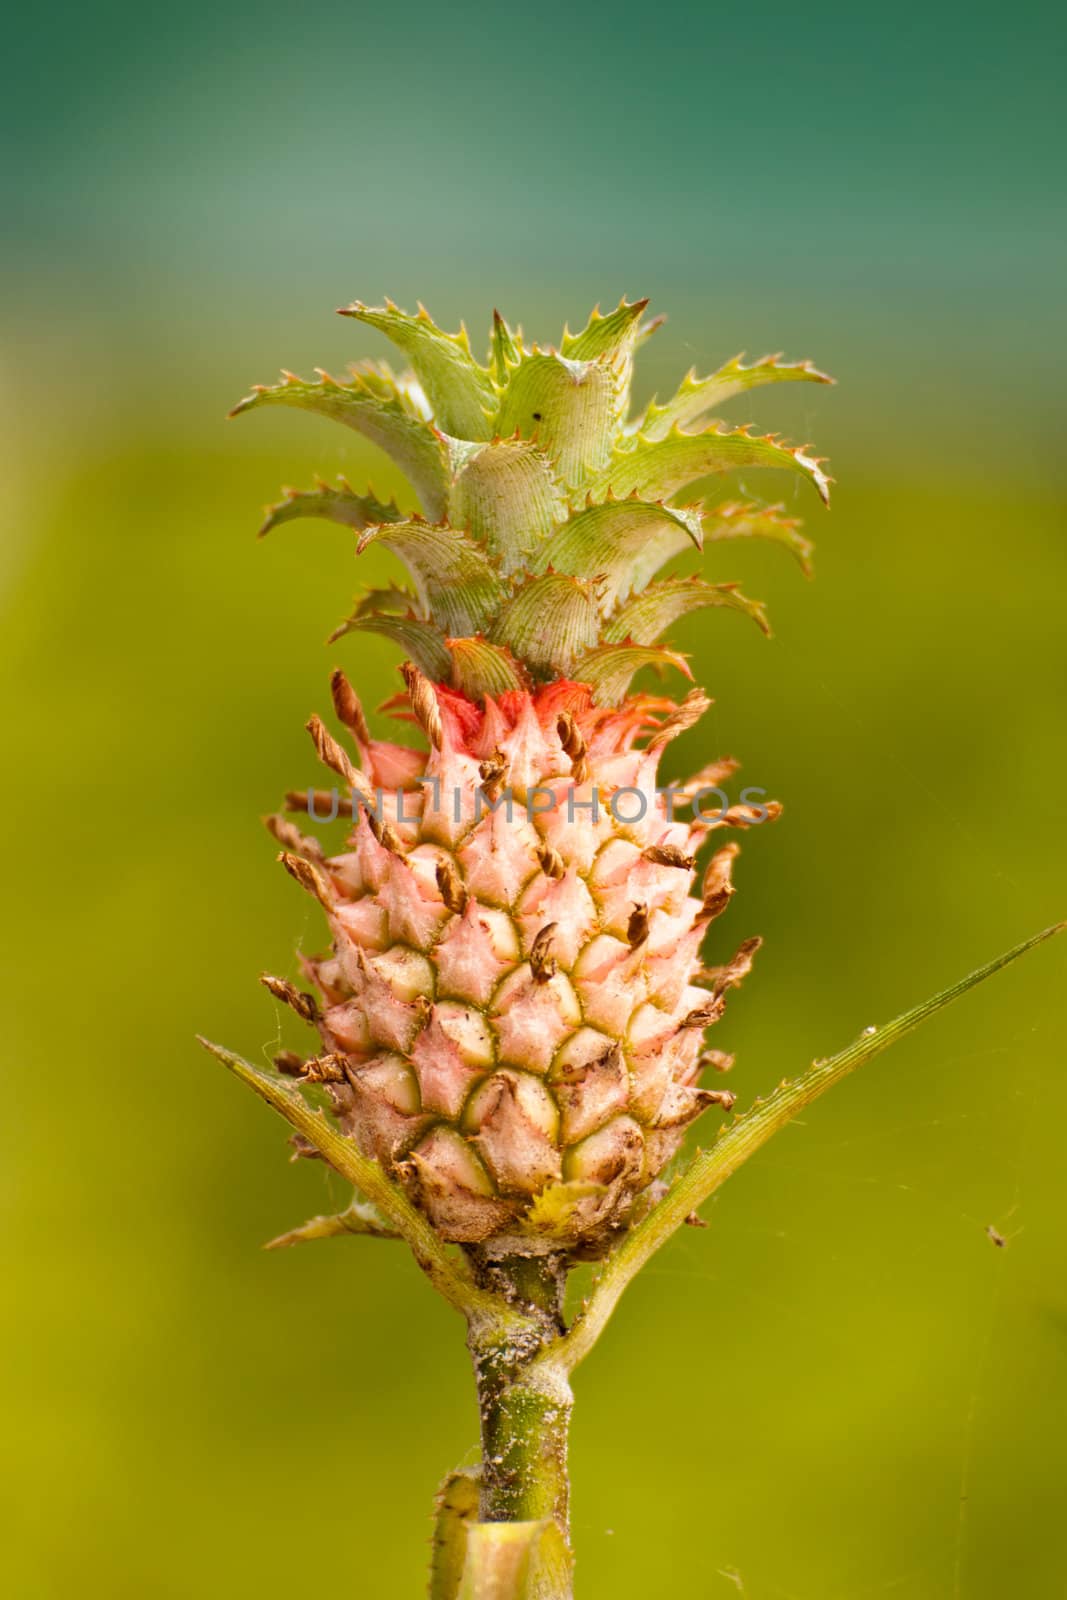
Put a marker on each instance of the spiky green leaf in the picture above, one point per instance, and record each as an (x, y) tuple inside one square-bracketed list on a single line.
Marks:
[(567, 406), (621, 543), (460, 392), (644, 618), (549, 623), (480, 668), (376, 407), (609, 669), (401, 601), (611, 338), (424, 643), (741, 519), (647, 329), (656, 468), (454, 581), (696, 396), (358, 1217), (335, 502), (610, 334), (505, 349), (507, 494)]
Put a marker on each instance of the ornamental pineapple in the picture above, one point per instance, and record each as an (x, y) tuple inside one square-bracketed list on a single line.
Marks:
[(513, 1009)]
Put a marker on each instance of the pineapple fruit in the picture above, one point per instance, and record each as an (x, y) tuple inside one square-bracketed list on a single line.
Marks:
[(513, 1010)]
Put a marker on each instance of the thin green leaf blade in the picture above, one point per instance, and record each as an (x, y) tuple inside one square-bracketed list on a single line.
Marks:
[(741, 1138), (450, 1275), (357, 1218)]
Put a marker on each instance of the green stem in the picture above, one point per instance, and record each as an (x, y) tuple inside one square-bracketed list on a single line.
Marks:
[(533, 1286), (525, 1405), (525, 1434)]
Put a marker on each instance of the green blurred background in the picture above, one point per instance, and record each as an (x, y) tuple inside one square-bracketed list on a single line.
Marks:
[(843, 1389)]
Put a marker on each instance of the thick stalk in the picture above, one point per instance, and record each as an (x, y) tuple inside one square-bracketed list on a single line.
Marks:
[(525, 1409), (525, 1433)]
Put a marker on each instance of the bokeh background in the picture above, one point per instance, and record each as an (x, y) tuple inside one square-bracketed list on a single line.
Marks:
[(843, 1389)]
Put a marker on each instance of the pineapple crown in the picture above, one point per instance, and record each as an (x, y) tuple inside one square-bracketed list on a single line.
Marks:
[(546, 510)]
